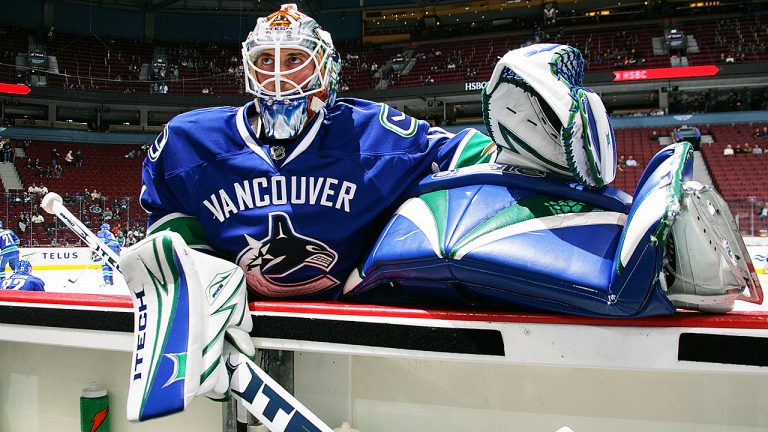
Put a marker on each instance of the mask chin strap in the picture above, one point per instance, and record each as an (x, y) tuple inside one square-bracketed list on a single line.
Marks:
[(283, 119)]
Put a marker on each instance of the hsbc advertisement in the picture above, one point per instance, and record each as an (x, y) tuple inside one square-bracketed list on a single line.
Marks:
[(665, 73)]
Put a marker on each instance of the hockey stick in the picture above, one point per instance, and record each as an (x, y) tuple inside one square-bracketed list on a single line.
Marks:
[(261, 395), (79, 275)]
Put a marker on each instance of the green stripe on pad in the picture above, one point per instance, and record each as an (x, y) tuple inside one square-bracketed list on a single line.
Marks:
[(437, 202), (527, 209)]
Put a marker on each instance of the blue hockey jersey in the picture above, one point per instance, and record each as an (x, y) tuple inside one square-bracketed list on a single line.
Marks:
[(297, 218), (23, 282), (9, 242), (105, 235)]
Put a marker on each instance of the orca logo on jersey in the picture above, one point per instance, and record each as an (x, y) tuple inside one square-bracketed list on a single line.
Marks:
[(153, 152), (285, 263)]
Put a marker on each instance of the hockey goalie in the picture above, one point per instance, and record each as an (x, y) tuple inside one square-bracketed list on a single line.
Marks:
[(293, 195)]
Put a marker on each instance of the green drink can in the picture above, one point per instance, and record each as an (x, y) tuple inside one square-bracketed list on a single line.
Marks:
[(94, 409)]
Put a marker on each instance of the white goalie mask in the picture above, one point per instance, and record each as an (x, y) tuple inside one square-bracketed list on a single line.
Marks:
[(290, 93)]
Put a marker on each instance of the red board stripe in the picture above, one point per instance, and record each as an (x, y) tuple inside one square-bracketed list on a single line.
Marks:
[(66, 299), (746, 320), (736, 320)]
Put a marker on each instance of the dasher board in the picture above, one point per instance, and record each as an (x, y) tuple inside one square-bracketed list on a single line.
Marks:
[(736, 342)]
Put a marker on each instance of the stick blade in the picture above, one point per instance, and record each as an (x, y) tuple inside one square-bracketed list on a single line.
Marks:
[(48, 201)]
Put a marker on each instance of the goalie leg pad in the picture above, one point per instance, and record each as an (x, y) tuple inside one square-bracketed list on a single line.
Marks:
[(708, 267), (185, 303)]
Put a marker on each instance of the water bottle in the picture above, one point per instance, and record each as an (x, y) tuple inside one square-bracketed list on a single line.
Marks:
[(94, 409)]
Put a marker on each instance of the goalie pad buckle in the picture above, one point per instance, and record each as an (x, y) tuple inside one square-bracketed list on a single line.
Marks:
[(707, 266)]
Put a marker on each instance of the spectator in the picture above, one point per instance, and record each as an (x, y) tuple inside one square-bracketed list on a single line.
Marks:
[(746, 149), (621, 163), (23, 222), (34, 189), (54, 157), (631, 162), (37, 218), (763, 212), (79, 158), (728, 150), (757, 150), (69, 159), (130, 239), (429, 80), (120, 239), (95, 195), (7, 151)]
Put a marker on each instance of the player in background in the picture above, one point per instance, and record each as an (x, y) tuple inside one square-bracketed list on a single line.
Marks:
[(9, 250), (293, 186), (107, 273), (22, 279), (104, 233)]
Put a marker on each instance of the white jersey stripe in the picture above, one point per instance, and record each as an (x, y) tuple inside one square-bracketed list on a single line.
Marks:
[(245, 133)]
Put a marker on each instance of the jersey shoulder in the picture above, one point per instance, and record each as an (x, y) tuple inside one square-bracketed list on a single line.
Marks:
[(380, 128), (194, 137)]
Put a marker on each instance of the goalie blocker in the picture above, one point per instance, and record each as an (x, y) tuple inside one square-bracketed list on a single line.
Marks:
[(541, 116), (186, 303)]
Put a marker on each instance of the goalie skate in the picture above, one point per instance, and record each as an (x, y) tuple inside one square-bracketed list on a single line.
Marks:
[(707, 266)]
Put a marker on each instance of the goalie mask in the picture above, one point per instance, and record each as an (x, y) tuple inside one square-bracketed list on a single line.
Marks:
[(292, 68)]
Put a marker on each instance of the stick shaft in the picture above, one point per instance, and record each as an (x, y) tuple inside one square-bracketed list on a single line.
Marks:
[(263, 397), (85, 234), (79, 275)]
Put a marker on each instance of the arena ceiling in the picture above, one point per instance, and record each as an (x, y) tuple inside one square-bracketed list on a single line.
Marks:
[(324, 6)]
